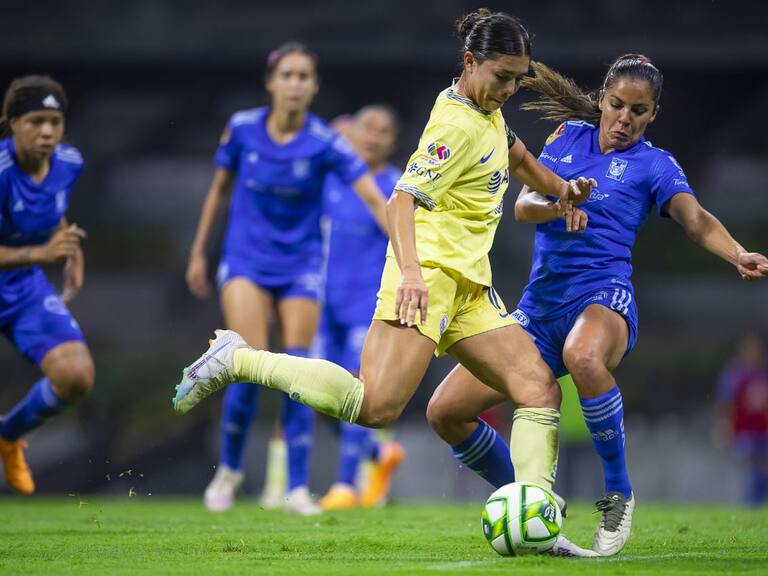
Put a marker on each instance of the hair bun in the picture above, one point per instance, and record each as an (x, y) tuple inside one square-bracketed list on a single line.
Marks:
[(465, 24)]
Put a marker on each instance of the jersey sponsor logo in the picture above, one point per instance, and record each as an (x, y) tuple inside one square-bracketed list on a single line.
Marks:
[(555, 135), (428, 160), (50, 101), (567, 159), (547, 156), (443, 323), (439, 151), (485, 158), (596, 195), (598, 296), (521, 317), (497, 180), (499, 210), (300, 168), (680, 182), (616, 169), (427, 173)]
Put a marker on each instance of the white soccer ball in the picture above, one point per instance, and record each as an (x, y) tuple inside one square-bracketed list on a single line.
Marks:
[(521, 518)]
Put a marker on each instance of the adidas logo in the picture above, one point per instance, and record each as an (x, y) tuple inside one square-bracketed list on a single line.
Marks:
[(51, 102), (567, 159)]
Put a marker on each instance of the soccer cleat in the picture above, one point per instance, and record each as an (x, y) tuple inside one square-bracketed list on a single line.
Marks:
[(272, 498), (390, 457), (566, 548), (616, 523), (220, 494), (17, 473), (209, 373), (340, 497), (298, 501)]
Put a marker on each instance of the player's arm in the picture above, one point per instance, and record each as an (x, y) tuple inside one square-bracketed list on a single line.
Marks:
[(708, 232), (218, 193), (533, 208), (74, 271), (365, 187), (412, 292), (524, 166), (64, 243)]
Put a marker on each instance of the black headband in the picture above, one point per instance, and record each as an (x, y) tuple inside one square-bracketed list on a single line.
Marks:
[(34, 99)]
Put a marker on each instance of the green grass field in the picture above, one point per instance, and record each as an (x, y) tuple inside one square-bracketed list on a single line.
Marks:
[(83, 535)]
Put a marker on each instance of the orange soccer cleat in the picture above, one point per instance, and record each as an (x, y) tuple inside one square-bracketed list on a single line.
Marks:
[(340, 497), (17, 472), (390, 456)]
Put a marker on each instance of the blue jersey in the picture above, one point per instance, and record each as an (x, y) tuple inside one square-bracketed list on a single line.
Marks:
[(569, 266), (274, 216), (357, 247), (30, 212)]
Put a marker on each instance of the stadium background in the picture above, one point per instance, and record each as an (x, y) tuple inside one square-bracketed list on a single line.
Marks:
[(151, 84)]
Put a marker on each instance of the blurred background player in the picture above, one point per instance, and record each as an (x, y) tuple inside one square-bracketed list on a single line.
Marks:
[(579, 304), (356, 251), (742, 400), (37, 173), (275, 159)]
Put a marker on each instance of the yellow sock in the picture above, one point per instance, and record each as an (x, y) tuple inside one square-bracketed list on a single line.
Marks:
[(533, 445), (319, 384), (276, 475)]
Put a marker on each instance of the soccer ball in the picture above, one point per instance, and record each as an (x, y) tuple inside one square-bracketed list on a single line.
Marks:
[(521, 518)]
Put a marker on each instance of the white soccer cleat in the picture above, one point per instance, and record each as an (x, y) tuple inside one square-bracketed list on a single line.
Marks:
[(220, 494), (298, 501), (565, 548), (615, 525), (272, 498), (209, 373)]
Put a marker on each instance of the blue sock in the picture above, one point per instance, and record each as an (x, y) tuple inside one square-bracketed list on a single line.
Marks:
[(298, 424), (40, 403), (240, 402), (355, 444), (486, 453), (604, 416)]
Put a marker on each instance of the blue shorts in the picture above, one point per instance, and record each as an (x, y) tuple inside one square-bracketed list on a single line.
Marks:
[(549, 334), (341, 342), (305, 283), (34, 318)]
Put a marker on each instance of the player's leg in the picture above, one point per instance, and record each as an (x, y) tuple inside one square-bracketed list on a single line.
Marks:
[(246, 308), (298, 318), (507, 360), (594, 347), (45, 332), (453, 414)]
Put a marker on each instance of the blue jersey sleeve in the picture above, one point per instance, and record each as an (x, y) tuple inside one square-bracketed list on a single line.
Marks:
[(667, 179), (553, 147), (344, 162), (228, 153)]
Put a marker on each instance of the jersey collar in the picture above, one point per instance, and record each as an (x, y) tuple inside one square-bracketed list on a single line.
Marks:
[(451, 93)]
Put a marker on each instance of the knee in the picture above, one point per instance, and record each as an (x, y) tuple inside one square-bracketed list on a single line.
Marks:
[(583, 363), (378, 415), (438, 417), (73, 382)]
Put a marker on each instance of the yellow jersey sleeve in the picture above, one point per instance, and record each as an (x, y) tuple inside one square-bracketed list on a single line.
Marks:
[(439, 161)]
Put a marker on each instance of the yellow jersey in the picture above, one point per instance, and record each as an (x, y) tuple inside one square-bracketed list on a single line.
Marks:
[(458, 176)]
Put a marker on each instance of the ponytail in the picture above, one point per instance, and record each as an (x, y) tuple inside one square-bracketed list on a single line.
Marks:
[(560, 99)]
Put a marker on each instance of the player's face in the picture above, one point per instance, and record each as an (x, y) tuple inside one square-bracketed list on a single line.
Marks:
[(627, 108), (373, 136), (38, 133), (496, 79), (293, 83)]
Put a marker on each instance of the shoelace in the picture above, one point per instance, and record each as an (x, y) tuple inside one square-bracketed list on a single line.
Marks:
[(612, 507)]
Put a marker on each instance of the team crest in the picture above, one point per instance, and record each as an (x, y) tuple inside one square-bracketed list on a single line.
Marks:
[(616, 169), (555, 135), (439, 151)]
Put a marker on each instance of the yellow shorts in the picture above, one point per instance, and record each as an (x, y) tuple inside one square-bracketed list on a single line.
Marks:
[(457, 308)]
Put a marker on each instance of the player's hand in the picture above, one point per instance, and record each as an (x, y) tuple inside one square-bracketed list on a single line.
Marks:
[(576, 220), (64, 243), (74, 274), (412, 295), (752, 265), (577, 191), (197, 277)]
